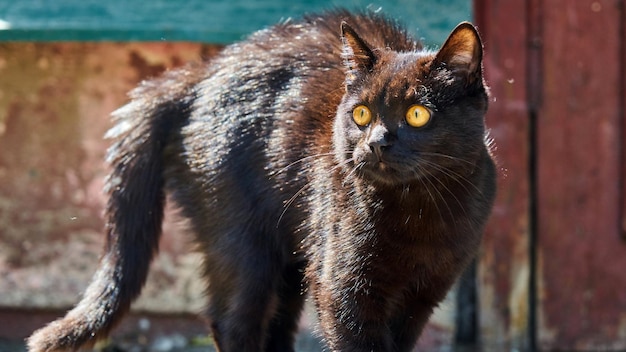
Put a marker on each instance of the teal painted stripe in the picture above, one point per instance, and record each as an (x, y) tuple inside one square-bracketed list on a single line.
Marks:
[(209, 21)]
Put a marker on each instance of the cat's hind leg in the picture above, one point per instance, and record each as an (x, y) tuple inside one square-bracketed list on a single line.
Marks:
[(284, 324), (244, 276)]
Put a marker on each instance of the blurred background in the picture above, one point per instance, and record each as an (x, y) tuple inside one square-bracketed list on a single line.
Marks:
[(552, 270)]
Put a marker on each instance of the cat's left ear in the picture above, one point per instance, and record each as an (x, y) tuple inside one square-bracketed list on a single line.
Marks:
[(462, 52), (357, 55)]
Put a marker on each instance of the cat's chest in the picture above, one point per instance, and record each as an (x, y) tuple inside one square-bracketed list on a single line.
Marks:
[(413, 232)]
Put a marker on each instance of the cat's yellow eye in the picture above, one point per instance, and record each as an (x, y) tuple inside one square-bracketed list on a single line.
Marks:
[(362, 115), (417, 116)]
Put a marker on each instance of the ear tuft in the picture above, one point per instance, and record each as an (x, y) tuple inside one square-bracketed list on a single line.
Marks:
[(462, 52), (357, 55)]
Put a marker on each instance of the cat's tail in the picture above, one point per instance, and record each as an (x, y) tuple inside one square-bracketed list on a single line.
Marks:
[(133, 214)]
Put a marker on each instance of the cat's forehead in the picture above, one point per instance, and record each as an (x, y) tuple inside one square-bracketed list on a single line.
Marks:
[(398, 76)]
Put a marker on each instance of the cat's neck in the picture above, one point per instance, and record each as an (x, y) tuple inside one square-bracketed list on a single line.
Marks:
[(426, 202)]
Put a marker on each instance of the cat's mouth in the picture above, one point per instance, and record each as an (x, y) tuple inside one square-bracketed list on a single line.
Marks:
[(380, 168), (381, 171)]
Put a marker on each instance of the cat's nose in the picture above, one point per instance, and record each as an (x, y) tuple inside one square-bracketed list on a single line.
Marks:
[(379, 140), (379, 146)]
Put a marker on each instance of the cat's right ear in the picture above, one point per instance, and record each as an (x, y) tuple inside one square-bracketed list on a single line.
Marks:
[(357, 55)]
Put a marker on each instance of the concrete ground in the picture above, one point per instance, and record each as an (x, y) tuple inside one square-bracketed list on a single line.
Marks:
[(174, 343)]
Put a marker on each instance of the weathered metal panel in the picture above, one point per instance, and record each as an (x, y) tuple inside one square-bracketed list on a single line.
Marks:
[(504, 262), (581, 257)]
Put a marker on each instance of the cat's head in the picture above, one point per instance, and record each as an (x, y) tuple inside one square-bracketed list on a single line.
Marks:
[(407, 116)]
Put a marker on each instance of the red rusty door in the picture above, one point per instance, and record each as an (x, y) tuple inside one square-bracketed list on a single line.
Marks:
[(557, 71), (581, 255)]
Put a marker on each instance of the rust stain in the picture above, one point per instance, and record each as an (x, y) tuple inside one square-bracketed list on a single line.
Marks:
[(55, 101)]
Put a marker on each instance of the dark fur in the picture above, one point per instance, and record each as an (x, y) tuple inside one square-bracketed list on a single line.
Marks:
[(283, 189)]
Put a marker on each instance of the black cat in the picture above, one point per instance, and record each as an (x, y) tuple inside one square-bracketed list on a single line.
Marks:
[(332, 155)]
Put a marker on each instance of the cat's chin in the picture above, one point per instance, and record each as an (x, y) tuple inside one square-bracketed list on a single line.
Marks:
[(383, 174)]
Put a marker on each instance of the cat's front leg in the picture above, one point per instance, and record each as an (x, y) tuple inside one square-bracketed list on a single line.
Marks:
[(345, 331), (409, 322), (352, 319)]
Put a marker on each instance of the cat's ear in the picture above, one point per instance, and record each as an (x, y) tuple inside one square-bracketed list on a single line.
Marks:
[(357, 55), (462, 52)]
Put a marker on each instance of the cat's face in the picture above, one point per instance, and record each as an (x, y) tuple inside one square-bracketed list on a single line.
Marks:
[(412, 116)]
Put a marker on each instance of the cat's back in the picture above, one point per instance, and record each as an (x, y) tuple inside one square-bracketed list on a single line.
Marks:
[(313, 41)]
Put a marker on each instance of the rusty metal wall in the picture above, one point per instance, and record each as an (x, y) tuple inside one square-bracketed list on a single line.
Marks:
[(553, 262)]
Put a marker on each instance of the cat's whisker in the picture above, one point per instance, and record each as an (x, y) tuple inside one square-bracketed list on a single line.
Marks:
[(447, 156), (405, 191), (453, 175), (429, 177), (421, 177), (354, 169), (301, 160), (447, 189), (290, 201)]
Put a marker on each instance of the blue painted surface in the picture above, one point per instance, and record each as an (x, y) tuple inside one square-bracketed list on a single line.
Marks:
[(209, 21)]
